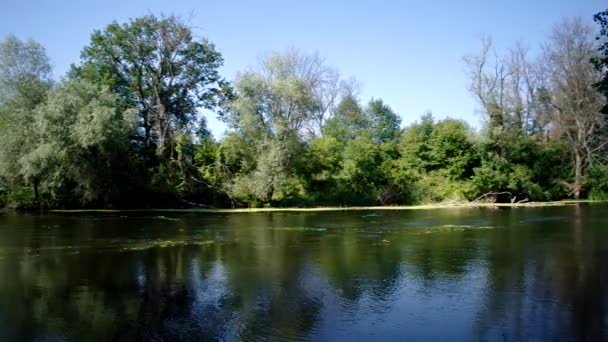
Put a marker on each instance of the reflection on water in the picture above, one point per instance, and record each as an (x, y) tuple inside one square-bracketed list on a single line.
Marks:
[(514, 274)]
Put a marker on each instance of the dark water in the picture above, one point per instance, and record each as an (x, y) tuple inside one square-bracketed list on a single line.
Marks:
[(449, 274)]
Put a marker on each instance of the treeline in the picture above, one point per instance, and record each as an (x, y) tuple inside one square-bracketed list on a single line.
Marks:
[(124, 127)]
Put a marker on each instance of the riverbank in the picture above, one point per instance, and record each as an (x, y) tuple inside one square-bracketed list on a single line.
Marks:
[(325, 209)]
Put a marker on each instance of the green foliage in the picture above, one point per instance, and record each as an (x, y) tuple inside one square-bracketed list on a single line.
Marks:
[(436, 160), (77, 131), (347, 122), (597, 182), (497, 174), (601, 61), (158, 68), (25, 72), (360, 169), (19, 198), (272, 107), (436, 187), (384, 122), (24, 82), (126, 128)]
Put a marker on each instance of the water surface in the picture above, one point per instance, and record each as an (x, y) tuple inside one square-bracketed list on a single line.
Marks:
[(442, 274)]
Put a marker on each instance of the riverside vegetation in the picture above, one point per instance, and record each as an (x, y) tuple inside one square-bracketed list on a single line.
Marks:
[(126, 127)]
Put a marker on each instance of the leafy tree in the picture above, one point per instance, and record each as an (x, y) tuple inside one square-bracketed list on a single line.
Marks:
[(274, 104), (81, 145), (348, 120), (436, 158), (414, 143), (601, 61), (25, 73), (597, 182), (497, 175), (323, 162), (384, 122), (445, 145), (360, 169), (452, 149), (25, 78), (157, 67)]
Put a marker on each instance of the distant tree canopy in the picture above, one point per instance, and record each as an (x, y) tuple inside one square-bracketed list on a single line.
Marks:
[(126, 127)]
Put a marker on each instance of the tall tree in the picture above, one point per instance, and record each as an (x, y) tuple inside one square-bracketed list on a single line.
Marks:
[(25, 78), (80, 140), (488, 75), (25, 73), (347, 121), (274, 105), (575, 102), (158, 67), (508, 87), (384, 122), (601, 61)]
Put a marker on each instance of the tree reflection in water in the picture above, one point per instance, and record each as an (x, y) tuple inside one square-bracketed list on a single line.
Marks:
[(447, 274)]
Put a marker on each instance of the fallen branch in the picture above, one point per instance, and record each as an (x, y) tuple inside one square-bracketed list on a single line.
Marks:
[(194, 204), (492, 194)]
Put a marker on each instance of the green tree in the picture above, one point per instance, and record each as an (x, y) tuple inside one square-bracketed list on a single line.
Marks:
[(435, 160), (274, 105), (361, 172), (25, 78), (452, 149), (384, 122), (497, 175), (156, 66), (321, 166), (347, 122), (25, 73), (81, 143), (601, 61), (414, 144)]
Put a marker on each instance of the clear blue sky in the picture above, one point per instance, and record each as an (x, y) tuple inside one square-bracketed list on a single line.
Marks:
[(406, 52)]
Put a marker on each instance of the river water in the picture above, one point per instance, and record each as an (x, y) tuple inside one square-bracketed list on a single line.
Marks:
[(444, 274)]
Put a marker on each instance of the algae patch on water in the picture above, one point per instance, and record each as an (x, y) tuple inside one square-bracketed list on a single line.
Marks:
[(383, 242), (447, 228), (165, 243), (300, 229), (371, 215)]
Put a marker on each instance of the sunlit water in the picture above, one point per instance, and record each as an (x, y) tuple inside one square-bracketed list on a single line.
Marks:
[(447, 274)]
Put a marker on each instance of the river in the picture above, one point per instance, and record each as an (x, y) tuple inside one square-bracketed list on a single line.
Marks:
[(442, 274)]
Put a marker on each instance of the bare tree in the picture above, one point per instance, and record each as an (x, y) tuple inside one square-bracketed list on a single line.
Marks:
[(488, 75), (574, 101), (508, 87), (525, 87)]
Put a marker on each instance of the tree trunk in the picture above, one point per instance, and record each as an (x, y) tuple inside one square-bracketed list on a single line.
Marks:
[(36, 194), (578, 175)]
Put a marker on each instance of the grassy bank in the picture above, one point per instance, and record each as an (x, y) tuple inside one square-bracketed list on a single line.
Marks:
[(321, 209)]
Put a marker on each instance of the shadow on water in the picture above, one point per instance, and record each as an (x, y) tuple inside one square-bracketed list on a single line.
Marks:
[(549, 283), (533, 273)]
